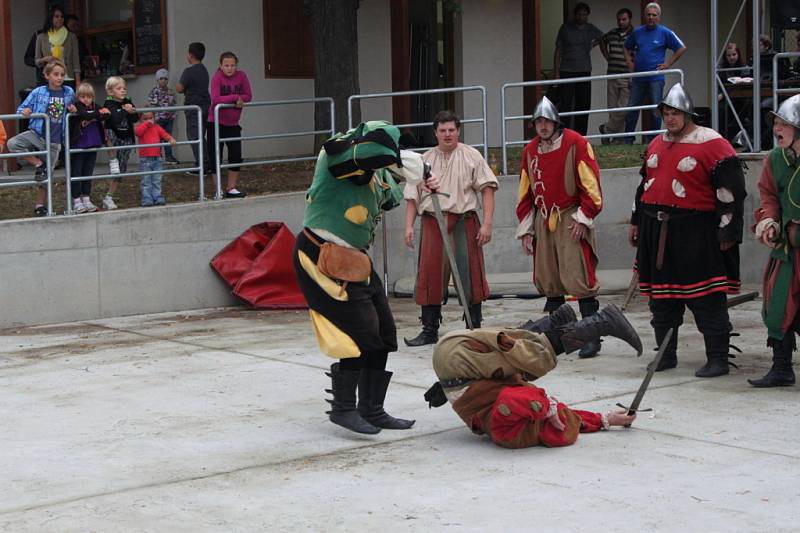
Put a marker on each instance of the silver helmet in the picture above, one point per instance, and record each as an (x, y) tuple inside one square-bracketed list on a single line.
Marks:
[(546, 109), (678, 98), (789, 112)]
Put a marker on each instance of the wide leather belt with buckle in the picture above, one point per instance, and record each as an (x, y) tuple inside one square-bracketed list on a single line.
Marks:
[(454, 382), (664, 217)]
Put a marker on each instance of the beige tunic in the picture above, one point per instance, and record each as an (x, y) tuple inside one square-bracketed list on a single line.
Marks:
[(462, 174), (531, 355)]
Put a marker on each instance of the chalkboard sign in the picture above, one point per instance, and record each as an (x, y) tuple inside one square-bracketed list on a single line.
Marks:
[(149, 35)]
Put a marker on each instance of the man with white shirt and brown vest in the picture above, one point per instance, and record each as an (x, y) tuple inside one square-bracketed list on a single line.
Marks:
[(462, 173)]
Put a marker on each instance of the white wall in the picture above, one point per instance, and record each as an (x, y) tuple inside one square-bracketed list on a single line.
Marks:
[(26, 18), (374, 59), (491, 42)]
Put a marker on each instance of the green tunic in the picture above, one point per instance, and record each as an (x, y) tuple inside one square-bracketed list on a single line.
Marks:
[(787, 184), (351, 186)]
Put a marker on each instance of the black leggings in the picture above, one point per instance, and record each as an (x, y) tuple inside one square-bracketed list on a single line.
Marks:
[(82, 164), (234, 147)]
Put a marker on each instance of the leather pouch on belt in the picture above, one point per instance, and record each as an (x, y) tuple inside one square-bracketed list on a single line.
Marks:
[(344, 264)]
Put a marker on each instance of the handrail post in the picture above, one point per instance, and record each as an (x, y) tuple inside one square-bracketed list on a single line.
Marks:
[(504, 148), (68, 166), (217, 159), (200, 153), (49, 163)]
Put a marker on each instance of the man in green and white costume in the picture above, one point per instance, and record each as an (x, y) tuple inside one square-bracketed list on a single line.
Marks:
[(354, 182)]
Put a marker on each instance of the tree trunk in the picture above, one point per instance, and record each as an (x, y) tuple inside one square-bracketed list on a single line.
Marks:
[(334, 25)]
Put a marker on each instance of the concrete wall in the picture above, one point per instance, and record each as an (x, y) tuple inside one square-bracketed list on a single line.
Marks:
[(152, 260), (27, 17)]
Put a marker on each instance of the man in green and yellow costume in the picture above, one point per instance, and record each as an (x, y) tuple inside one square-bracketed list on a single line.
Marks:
[(777, 225), (354, 183)]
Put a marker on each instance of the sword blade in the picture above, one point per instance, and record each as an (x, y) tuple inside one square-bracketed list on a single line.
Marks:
[(651, 369), (448, 248), (632, 286)]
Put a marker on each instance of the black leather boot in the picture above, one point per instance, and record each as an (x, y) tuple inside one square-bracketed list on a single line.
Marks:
[(431, 318), (563, 315), (609, 321), (475, 315), (716, 355), (553, 303), (670, 357), (589, 307), (343, 406), (372, 386), (781, 373)]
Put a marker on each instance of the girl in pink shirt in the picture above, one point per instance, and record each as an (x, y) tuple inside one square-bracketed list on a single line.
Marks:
[(229, 86)]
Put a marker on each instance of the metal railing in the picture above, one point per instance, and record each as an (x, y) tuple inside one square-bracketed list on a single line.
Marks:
[(48, 162), (219, 166), (455, 90), (537, 83), (199, 142)]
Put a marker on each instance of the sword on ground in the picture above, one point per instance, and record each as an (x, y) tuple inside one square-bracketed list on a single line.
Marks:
[(633, 408), (448, 248)]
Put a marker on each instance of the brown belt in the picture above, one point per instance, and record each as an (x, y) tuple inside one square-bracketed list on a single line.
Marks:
[(664, 217)]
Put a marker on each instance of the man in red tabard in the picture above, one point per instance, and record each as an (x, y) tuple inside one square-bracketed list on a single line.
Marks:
[(687, 224), (559, 198), (484, 375)]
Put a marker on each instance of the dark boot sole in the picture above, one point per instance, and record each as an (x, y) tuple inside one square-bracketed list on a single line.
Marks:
[(357, 426), (416, 341)]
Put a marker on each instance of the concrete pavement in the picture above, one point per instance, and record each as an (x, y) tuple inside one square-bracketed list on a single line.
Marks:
[(214, 421)]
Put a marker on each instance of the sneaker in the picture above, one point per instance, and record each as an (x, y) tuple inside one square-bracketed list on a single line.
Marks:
[(108, 203), (172, 161), (234, 193), (40, 211), (40, 174), (604, 140), (196, 173), (77, 207), (161, 201), (87, 203), (113, 166)]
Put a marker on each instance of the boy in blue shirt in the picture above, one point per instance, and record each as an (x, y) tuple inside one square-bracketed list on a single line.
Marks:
[(55, 100), (645, 50)]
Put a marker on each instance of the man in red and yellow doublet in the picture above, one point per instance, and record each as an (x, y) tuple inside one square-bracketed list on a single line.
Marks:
[(687, 223), (559, 198), (484, 374)]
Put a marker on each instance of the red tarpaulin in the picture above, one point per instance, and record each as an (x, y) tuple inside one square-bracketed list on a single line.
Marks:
[(257, 265)]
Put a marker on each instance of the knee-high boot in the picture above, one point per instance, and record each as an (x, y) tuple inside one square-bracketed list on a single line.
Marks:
[(589, 307), (372, 386), (431, 318), (781, 373), (563, 315), (670, 357), (343, 406), (609, 321), (716, 355), (475, 315)]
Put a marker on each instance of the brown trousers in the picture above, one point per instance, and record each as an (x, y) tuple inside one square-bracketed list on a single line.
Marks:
[(562, 266)]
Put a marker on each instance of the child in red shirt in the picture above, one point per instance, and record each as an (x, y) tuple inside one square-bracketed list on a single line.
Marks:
[(148, 132)]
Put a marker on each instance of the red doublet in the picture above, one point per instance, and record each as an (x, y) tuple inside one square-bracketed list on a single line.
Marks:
[(563, 178), (514, 414), (679, 174)]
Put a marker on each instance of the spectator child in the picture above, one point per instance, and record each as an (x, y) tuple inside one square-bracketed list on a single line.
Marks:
[(229, 86), (194, 85), (54, 99), (149, 132), (162, 96), (85, 132), (119, 132)]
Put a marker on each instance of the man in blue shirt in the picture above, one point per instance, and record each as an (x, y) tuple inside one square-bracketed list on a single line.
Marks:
[(645, 50)]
